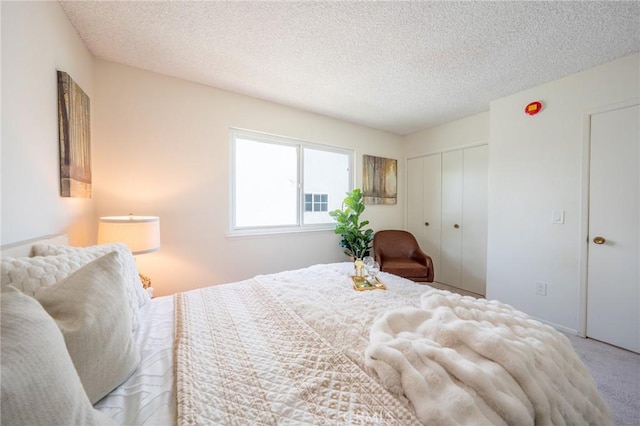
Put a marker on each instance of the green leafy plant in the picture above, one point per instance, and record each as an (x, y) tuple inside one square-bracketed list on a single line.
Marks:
[(356, 241)]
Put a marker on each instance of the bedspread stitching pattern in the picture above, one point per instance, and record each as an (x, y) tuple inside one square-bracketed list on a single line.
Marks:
[(248, 359)]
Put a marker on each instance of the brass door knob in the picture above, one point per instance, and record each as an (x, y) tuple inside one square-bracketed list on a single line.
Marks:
[(599, 240)]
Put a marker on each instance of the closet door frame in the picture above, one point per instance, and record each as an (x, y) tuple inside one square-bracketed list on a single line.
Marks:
[(426, 154)]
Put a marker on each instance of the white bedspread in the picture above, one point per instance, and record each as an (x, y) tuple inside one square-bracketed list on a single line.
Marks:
[(465, 361), (243, 357)]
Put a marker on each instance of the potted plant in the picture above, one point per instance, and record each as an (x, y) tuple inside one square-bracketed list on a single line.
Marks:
[(356, 241)]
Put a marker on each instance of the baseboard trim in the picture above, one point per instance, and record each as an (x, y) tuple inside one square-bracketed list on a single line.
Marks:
[(453, 289), (558, 327)]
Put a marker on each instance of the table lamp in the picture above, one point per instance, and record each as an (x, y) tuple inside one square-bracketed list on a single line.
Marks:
[(140, 233)]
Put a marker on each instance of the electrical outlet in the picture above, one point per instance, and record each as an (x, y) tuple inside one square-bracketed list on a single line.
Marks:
[(541, 288)]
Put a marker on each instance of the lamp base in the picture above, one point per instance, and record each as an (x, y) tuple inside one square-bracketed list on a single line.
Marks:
[(145, 280)]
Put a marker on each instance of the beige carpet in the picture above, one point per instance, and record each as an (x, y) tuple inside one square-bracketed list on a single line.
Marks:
[(617, 376)]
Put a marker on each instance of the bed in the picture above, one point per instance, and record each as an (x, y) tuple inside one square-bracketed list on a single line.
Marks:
[(296, 347)]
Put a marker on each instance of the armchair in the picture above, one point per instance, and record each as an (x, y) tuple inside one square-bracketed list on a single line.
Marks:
[(398, 252)]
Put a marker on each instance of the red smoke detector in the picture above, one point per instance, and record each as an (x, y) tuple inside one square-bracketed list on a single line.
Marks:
[(533, 108)]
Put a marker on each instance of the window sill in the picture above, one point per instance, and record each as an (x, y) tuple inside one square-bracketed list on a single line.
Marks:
[(262, 233)]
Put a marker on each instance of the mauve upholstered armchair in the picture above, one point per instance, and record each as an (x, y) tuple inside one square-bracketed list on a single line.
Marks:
[(398, 253)]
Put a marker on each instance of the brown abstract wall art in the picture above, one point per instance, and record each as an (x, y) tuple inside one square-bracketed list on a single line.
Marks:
[(74, 135), (379, 180)]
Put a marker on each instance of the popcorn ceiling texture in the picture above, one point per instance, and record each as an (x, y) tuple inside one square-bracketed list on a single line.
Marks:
[(394, 66)]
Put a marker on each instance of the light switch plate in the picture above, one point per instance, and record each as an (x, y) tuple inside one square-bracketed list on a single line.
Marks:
[(541, 288), (557, 216)]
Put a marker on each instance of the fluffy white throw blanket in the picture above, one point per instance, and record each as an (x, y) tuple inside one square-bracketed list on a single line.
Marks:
[(461, 360)]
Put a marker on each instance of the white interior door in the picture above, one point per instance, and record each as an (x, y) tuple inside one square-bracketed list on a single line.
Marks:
[(415, 202), (451, 246), (432, 195), (474, 220), (423, 205), (613, 280)]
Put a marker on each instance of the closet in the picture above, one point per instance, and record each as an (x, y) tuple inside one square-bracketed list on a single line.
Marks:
[(447, 213)]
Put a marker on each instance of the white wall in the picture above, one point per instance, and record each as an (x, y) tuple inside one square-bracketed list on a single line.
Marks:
[(535, 167), (161, 147), (37, 40), (471, 130)]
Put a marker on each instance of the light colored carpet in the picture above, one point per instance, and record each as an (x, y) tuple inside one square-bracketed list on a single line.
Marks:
[(617, 376)]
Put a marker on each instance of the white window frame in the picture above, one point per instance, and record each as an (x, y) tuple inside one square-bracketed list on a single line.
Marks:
[(234, 134)]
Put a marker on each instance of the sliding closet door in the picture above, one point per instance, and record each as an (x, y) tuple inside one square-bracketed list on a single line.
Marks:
[(415, 198), (424, 209), (447, 213), (432, 196), (451, 246), (474, 219)]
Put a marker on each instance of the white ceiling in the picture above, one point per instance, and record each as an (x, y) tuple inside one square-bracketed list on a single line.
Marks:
[(395, 66)]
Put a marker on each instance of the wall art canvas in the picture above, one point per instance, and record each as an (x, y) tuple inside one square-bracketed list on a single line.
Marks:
[(379, 180), (74, 135)]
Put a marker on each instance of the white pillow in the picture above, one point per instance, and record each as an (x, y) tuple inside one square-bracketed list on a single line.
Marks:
[(136, 291), (40, 385), (55, 262), (29, 274), (90, 308)]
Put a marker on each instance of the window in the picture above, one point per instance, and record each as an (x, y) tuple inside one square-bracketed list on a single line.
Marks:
[(316, 202), (282, 184)]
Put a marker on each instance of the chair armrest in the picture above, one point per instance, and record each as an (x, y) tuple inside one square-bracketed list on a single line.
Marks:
[(430, 267), (419, 256)]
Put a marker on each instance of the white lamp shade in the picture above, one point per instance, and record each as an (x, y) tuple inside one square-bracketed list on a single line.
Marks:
[(140, 233)]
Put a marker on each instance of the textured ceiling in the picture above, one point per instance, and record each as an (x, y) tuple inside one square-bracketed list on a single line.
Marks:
[(394, 66)]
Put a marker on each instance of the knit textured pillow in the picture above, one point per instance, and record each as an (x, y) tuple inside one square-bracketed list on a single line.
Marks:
[(39, 382), (93, 252), (29, 274), (52, 263), (90, 308)]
